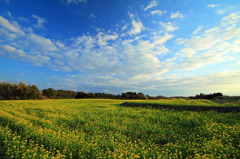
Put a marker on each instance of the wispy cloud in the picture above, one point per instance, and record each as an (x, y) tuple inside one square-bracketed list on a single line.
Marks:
[(158, 12), (161, 39), (212, 5), (102, 53), (40, 21), (213, 45), (137, 25), (217, 8), (124, 27), (40, 43), (221, 11), (152, 4), (196, 61), (168, 26), (199, 28), (13, 27), (176, 15), (11, 52)]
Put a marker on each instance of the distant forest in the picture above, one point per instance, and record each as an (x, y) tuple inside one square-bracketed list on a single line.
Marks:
[(23, 91)]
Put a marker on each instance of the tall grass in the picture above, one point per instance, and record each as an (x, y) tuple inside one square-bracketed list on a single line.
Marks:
[(103, 129)]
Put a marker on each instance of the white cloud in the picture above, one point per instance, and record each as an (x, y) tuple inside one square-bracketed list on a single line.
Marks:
[(5, 49), (218, 11), (124, 27), (152, 4), (233, 18), (199, 28), (212, 46), (180, 41), (221, 11), (212, 30), (196, 61), (168, 26), (203, 43), (40, 43), (212, 5), (60, 44), (158, 12), (176, 15), (107, 53), (13, 27), (11, 52), (40, 21), (159, 40), (137, 25), (187, 52), (150, 48), (76, 1), (104, 38)]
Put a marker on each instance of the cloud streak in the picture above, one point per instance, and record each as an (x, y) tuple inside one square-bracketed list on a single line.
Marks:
[(158, 12), (40, 21), (176, 15), (12, 27), (152, 4), (212, 46), (212, 5)]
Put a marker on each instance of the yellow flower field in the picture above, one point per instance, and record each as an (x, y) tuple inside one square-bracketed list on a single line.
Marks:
[(101, 128)]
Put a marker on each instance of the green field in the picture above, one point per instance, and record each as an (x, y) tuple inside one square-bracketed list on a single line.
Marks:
[(91, 128), (187, 102)]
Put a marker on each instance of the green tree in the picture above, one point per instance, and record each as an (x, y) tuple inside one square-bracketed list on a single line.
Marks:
[(141, 96), (34, 92), (50, 93)]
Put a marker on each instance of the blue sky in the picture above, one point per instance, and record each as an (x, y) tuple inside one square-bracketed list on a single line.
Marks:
[(158, 47)]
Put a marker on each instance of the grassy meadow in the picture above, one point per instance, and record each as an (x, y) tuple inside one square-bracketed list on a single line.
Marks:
[(101, 128)]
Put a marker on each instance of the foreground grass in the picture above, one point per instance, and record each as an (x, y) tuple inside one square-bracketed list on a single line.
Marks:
[(103, 129)]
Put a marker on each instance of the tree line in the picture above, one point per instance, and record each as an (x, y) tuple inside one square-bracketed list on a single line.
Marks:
[(19, 91), (10, 91), (207, 96), (62, 94), (58, 94)]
